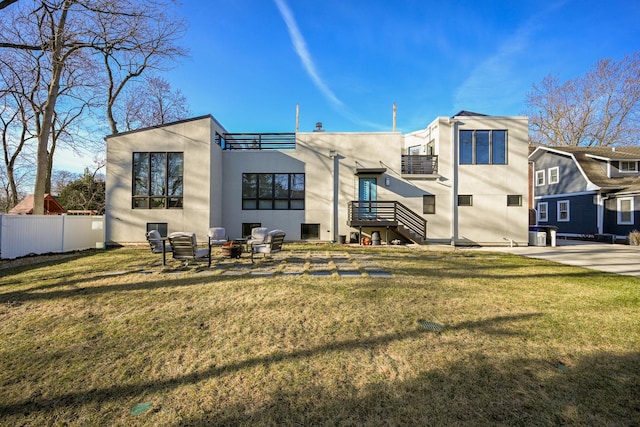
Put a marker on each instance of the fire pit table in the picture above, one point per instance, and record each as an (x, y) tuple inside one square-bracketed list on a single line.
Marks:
[(232, 249)]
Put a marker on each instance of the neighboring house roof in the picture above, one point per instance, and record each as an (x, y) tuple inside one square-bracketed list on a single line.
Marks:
[(590, 161), (467, 113), (25, 207)]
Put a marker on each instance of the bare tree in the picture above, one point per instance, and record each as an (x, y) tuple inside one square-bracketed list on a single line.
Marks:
[(64, 30), (601, 108), (152, 102)]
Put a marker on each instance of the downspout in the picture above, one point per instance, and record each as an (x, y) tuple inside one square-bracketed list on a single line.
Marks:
[(335, 172), (454, 187)]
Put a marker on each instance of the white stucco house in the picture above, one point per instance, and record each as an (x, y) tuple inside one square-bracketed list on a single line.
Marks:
[(462, 180)]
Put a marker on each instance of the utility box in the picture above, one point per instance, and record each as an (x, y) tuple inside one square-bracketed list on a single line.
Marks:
[(537, 238)]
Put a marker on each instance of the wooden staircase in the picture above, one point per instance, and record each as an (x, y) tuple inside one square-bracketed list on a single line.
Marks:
[(391, 215)]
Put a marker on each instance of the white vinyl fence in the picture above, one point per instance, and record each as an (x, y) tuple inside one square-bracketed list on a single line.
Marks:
[(22, 235)]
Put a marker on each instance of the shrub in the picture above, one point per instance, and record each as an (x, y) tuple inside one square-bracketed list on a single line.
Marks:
[(634, 238)]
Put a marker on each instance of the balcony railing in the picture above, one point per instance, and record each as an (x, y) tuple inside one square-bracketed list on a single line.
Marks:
[(256, 141), (419, 164)]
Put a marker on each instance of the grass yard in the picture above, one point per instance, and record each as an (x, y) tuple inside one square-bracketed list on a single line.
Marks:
[(458, 337)]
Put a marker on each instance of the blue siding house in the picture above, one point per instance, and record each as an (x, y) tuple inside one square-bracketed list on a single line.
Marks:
[(587, 191)]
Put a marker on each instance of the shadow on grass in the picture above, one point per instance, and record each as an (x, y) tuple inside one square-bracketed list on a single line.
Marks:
[(477, 392)]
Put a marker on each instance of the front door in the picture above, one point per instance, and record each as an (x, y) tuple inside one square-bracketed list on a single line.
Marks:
[(367, 193)]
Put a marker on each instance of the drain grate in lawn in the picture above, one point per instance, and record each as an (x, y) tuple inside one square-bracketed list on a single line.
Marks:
[(431, 326)]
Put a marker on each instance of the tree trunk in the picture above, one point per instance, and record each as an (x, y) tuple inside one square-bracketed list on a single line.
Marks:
[(52, 96)]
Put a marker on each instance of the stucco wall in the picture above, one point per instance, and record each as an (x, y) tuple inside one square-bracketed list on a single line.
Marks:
[(193, 138)]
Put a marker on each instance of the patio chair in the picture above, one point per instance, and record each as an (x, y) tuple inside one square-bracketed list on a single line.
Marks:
[(217, 236), (185, 248), (155, 242), (258, 235), (272, 244)]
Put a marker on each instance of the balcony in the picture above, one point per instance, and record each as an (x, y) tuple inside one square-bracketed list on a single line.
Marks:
[(419, 164), (257, 141)]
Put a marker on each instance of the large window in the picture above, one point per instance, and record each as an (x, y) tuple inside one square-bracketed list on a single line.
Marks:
[(625, 210), (157, 180), (273, 191), (483, 147)]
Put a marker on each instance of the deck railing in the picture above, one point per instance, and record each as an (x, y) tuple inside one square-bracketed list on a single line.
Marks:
[(257, 141), (374, 213), (419, 164)]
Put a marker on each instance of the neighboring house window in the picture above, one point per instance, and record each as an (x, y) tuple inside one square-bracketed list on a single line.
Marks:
[(483, 147), (160, 226), (465, 200), (428, 204), (543, 209), (626, 166), (540, 178), (554, 175), (248, 226), (514, 200), (563, 210), (157, 180), (273, 191), (625, 210), (310, 231)]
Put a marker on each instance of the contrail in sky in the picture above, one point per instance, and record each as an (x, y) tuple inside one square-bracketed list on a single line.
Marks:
[(302, 51)]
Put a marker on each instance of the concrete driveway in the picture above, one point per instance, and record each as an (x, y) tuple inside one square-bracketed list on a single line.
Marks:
[(619, 259)]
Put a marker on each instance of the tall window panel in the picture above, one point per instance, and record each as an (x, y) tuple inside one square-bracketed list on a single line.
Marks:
[(157, 180), (483, 147)]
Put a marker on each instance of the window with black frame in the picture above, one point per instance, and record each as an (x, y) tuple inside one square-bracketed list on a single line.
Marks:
[(157, 180), (483, 147), (272, 191)]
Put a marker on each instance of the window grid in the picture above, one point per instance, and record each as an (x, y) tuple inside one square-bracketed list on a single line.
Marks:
[(540, 178), (483, 147), (157, 180), (543, 212), (628, 166), (554, 175), (563, 211), (273, 191)]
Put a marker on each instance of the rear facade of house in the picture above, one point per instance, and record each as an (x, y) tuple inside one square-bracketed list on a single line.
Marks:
[(462, 180)]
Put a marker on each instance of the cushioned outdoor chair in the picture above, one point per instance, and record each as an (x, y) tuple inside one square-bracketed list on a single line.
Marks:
[(155, 242), (217, 236), (273, 243), (258, 235), (185, 248)]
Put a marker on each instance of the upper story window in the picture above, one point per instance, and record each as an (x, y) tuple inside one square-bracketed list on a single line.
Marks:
[(540, 178), (157, 180), (483, 147), (554, 175), (627, 166), (273, 191)]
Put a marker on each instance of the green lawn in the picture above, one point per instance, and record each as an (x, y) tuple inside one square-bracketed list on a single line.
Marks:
[(85, 339)]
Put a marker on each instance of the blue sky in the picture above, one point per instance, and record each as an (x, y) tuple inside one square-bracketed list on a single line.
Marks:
[(345, 62)]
